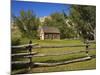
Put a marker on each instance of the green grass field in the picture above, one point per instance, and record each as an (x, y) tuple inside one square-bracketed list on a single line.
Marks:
[(84, 65)]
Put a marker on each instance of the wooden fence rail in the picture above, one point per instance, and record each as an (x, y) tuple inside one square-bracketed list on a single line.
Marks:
[(64, 62), (83, 45), (37, 46), (44, 55), (52, 64), (23, 54), (23, 47)]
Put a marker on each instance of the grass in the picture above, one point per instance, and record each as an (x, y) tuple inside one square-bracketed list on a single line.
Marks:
[(52, 50), (58, 50), (62, 57), (58, 42), (56, 58), (84, 65), (90, 64), (52, 42)]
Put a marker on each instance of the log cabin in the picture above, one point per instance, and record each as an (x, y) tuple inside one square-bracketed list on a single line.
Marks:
[(47, 32)]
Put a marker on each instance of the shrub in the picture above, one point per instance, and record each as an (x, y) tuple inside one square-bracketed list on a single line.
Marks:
[(15, 41)]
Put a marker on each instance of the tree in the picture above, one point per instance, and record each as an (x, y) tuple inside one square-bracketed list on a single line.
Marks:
[(83, 18), (58, 20), (27, 23)]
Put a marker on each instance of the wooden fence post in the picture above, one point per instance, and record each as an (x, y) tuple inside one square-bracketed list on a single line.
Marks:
[(30, 57), (87, 49), (30, 63), (30, 46)]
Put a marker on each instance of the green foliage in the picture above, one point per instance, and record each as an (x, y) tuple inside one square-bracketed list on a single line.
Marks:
[(80, 21), (58, 20), (15, 37), (27, 23), (83, 18), (15, 41)]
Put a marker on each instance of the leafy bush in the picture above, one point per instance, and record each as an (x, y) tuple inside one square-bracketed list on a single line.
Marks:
[(15, 41)]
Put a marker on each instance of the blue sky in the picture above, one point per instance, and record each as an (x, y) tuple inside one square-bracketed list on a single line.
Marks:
[(40, 9)]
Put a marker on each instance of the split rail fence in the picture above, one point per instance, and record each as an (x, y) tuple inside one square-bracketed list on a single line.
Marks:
[(31, 54)]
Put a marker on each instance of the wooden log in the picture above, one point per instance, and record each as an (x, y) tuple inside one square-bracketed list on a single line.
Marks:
[(61, 46), (92, 41), (23, 54), (64, 62), (44, 55), (20, 62), (23, 46), (51, 64), (35, 54), (19, 71)]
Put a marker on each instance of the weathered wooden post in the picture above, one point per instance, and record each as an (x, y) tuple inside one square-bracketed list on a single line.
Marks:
[(30, 57), (30, 47), (30, 63), (87, 48)]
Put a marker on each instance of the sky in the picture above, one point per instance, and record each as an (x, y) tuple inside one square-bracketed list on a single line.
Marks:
[(41, 9)]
